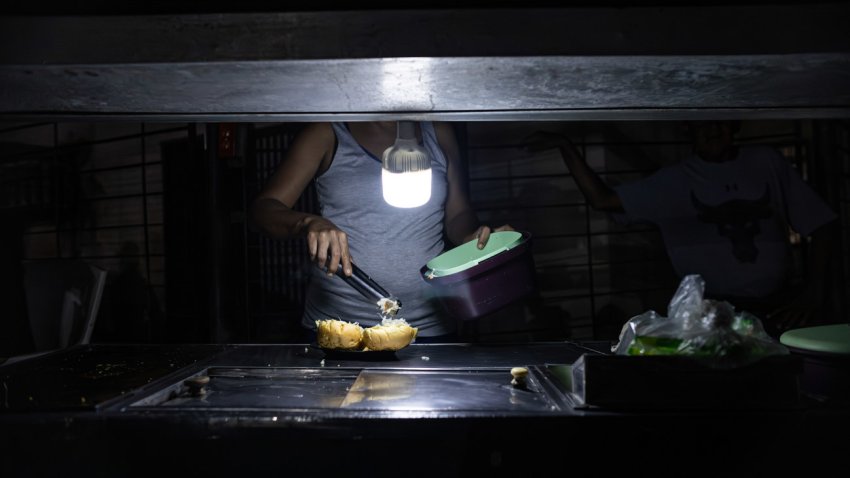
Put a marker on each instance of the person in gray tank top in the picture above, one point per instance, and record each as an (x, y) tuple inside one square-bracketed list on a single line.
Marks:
[(356, 224)]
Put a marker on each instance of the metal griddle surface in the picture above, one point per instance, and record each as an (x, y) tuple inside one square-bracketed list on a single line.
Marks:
[(356, 389)]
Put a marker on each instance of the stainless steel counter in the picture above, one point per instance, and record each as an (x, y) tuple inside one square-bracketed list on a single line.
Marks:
[(446, 409), (108, 378), (428, 380)]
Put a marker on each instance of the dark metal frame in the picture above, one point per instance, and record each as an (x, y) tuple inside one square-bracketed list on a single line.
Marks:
[(754, 61)]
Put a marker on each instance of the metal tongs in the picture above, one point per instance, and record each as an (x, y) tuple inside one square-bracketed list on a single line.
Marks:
[(359, 280)]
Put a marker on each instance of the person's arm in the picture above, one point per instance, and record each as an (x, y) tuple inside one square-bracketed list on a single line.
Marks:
[(461, 222), (272, 213), (598, 194), (807, 306), (815, 220)]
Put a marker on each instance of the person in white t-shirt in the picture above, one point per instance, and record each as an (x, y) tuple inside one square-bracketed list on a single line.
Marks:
[(724, 213)]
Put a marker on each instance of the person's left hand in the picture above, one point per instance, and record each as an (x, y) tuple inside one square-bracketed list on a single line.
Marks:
[(483, 234)]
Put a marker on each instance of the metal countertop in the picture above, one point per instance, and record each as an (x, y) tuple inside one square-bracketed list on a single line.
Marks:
[(254, 416)]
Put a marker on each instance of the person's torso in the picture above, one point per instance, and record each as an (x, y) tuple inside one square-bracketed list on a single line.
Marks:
[(724, 221), (390, 244)]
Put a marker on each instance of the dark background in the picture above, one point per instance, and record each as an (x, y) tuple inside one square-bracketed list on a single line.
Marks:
[(163, 208)]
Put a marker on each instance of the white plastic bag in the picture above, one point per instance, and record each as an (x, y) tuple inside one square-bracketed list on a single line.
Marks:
[(704, 328)]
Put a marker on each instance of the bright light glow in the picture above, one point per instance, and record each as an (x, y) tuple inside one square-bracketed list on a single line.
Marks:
[(410, 189)]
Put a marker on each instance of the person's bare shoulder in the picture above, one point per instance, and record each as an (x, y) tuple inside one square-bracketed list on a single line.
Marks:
[(446, 137), (318, 133), (315, 142), (443, 129)]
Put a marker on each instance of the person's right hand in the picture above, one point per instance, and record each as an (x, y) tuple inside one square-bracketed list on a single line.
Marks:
[(328, 245)]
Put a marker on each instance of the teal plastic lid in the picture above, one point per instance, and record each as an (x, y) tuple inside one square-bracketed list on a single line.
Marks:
[(468, 255), (822, 338)]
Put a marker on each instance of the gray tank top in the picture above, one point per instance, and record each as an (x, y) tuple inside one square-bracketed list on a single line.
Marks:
[(388, 243)]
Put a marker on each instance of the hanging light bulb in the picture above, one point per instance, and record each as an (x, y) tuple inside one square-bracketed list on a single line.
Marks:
[(406, 171)]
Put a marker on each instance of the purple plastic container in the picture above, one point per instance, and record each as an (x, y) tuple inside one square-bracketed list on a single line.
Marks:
[(488, 286), (824, 374)]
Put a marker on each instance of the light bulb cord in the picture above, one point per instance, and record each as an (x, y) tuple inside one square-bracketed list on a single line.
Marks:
[(406, 130)]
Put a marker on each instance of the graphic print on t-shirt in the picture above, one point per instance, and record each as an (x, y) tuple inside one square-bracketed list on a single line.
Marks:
[(738, 221)]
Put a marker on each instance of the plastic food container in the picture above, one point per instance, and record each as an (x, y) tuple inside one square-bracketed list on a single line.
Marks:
[(825, 350), (472, 282)]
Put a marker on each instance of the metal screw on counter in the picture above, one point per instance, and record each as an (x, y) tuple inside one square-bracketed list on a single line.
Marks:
[(196, 385), (519, 375)]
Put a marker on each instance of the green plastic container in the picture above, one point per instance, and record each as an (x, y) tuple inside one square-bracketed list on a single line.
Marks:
[(471, 282)]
